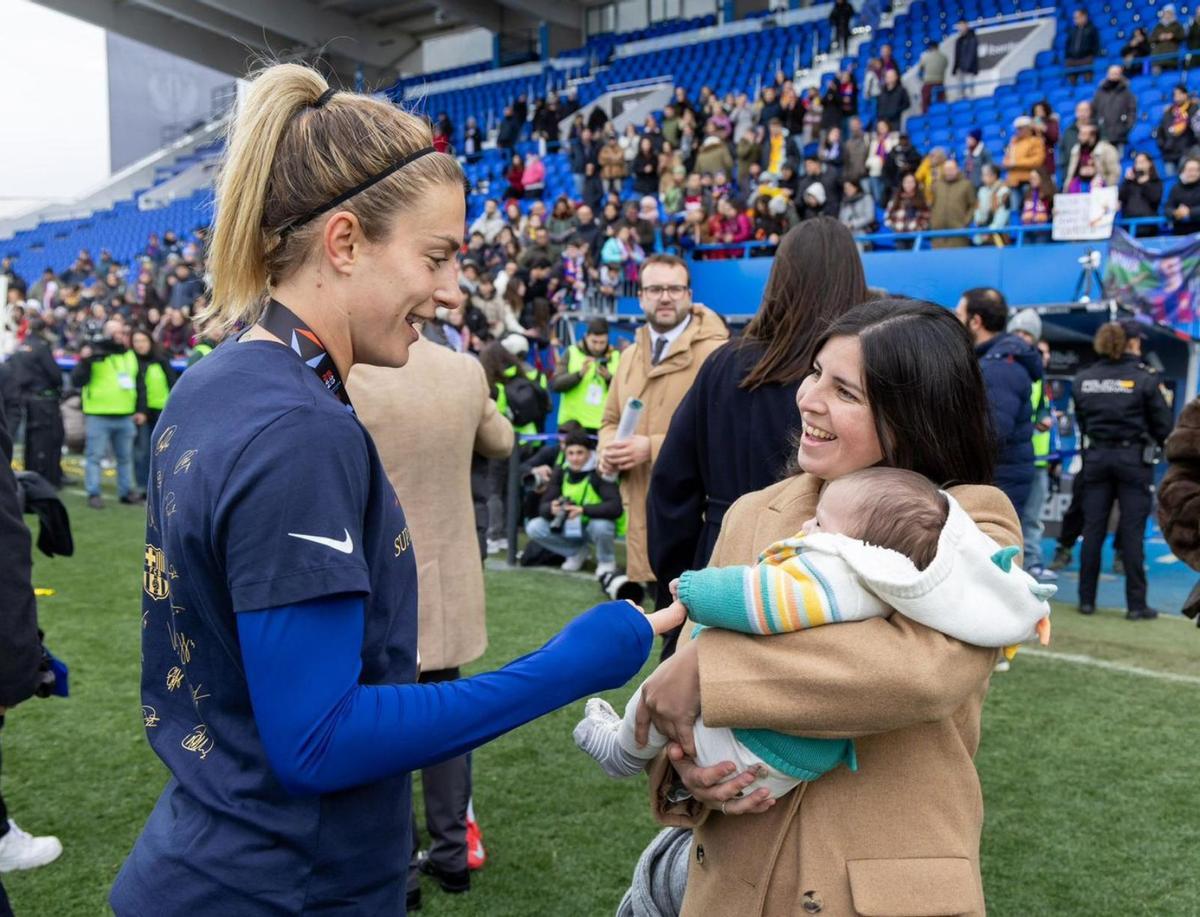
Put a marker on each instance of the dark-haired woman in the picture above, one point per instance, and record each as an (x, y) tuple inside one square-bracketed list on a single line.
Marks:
[(1141, 193), (734, 431), (1121, 410), (901, 834), (155, 378)]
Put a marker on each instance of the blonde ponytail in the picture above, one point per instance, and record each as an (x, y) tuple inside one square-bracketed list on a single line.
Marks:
[(284, 157)]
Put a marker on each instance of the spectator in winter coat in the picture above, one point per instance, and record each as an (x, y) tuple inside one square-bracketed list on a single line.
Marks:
[(1136, 50), (840, 19), (714, 156), (1183, 202), (854, 151), (611, 159), (533, 178), (510, 130), (1103, 155), (1009, 367), (932, 68), (953, 205), (1070, 135), (1175, 135), (992, 210), (975, 157), (908, 210), (1115, 107), (749, 151), (1166, 38), (1083, 46), (1026, 152), (1141, 193), (857, 212), (966, 58), (893, 100), (904, 159), (490, 222)]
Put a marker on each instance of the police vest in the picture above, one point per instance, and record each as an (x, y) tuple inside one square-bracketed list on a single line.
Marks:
[(157, 388), (200, 350), (581, 493), (585, 402), (1041, 438), (533, 376), (112, 389)]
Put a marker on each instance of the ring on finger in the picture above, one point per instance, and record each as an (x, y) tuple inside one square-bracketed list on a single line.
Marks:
[(723, 804)]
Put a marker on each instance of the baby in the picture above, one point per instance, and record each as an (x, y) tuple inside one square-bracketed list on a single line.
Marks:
[(882, 539)]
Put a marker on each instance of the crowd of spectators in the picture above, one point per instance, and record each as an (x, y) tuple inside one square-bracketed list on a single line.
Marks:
[(160, 293), (711, 171)]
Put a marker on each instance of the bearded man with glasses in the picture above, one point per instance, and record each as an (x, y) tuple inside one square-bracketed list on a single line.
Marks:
[(658, 370)]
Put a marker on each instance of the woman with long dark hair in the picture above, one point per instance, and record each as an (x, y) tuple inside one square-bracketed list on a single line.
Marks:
[(893, 383), (734, 431), (155, 379)]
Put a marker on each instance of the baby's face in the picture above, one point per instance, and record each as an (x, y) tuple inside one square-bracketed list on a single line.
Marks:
[(836, 511)]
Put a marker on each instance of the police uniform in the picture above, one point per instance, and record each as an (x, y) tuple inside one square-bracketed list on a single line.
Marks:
[(1120, 409), (39, 379)]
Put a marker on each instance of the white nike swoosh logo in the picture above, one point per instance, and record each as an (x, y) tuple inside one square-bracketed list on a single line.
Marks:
[(345, 546)]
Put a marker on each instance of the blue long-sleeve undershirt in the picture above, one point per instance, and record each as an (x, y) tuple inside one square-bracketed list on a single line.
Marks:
[(324, 732)]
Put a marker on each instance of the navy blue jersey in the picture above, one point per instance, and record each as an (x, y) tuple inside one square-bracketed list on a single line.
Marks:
[(265, 491)]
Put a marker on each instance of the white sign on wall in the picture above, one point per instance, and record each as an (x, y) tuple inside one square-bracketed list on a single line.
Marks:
[(1084, 217)]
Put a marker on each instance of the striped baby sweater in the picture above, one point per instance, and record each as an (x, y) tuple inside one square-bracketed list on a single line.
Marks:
[(971, 591)]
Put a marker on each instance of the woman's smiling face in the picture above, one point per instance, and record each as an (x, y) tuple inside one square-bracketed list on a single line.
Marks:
[(839, 428)]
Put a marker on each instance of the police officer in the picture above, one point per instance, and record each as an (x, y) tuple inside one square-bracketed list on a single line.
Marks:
[(39, 380), (1122, 413), (591, 365), (156, 376), (107, 373)]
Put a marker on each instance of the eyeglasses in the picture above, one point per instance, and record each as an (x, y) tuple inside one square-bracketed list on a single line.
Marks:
[(674, 290)]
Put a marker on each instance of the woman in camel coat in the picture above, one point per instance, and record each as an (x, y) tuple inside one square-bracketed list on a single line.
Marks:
[(896, 383)]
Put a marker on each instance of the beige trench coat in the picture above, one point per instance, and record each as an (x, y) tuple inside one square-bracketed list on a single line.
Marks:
[(426, 419), (897, 838)]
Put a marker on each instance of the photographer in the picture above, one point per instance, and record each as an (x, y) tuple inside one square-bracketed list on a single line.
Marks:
[(591, 365), (20, 655), (40, 383), (107, 373), (579, 509)]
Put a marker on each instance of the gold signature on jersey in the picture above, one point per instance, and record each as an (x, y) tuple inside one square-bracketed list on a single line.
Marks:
[(149, 716), (164, 441), (403, 542), (199, 741)]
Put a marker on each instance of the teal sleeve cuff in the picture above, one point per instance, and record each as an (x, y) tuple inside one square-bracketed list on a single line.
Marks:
[(716, 597)]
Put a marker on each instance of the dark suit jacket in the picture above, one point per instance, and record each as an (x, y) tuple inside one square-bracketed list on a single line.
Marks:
[(723, 442)]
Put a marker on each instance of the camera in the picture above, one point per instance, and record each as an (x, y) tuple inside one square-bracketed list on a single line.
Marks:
[(619, 587), (531, 480), (560, 520)]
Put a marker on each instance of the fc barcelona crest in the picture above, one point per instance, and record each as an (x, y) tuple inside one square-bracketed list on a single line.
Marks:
[(155, 581)]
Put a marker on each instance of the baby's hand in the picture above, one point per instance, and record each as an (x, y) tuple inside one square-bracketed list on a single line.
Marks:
[(674, 587), (668, 619)]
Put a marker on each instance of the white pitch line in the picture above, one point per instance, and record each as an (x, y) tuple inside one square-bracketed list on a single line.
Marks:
[(1080, 659)]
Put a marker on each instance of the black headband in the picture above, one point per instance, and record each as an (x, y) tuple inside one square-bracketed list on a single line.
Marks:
[(323, 98), (357, 189)]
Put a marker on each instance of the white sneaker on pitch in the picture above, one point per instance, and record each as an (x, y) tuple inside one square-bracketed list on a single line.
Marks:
[(609, 567), (575, 562), (21, 850)]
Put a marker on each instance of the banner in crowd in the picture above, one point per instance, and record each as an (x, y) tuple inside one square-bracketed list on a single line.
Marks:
[(996, 44), (1164, 284), (1085, 217)]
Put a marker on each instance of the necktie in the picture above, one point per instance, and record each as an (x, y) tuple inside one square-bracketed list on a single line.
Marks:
[(659, 346)]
